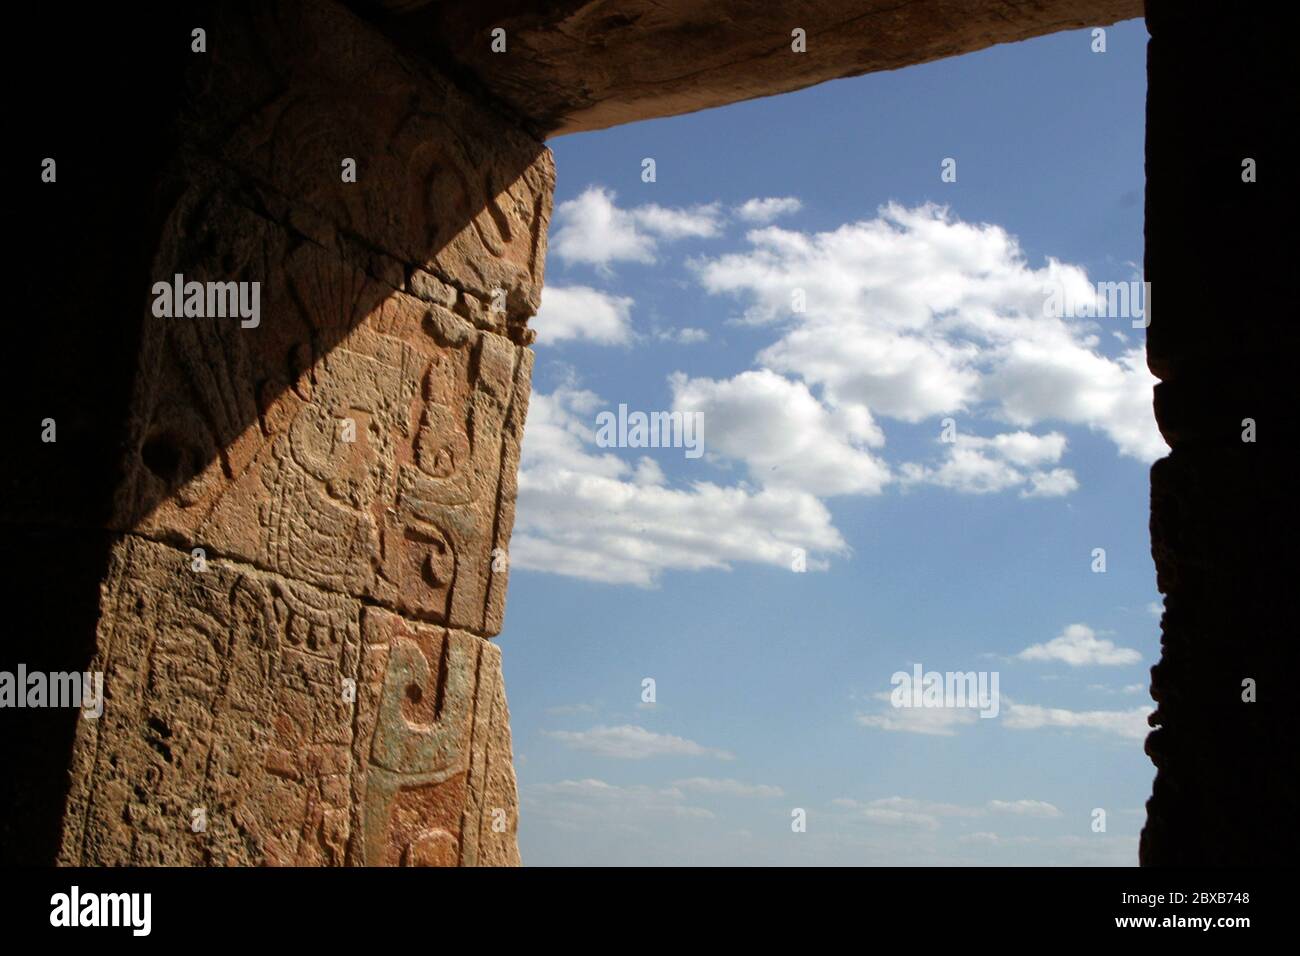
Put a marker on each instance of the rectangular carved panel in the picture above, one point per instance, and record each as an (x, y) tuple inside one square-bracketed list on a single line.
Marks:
[(437, 781), (253, 720), (225, 713), (357, 439)]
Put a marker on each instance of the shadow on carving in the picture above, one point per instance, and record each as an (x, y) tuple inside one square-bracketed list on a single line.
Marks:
[(350, 447)]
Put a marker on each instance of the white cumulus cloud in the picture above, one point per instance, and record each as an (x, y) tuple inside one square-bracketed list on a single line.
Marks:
[(912, 316), (916, 314), (593, 230), (580, 312), (588, 513), (977, 465), (783, 434), (1079, 646), (1131, 724), (764, 210)]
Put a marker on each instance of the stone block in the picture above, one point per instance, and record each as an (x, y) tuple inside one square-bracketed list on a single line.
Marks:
[(255, 720), (292, 89), (357, 439)]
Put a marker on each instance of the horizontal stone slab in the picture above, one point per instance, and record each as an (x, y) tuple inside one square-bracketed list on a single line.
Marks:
[(575, 65)]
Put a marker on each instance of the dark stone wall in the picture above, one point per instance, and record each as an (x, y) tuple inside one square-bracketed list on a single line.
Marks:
[(1223, 515), (102, 104)]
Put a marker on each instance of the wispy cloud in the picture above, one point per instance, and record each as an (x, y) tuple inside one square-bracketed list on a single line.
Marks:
[(629, 742), (686, 335), (1025, 808), (567, 710), (895, 811), (932, 721), (1130, 724), (728, 787), (590, 801), (928, 814)]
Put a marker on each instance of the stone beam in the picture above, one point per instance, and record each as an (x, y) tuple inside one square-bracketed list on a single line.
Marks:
[(575, 65)]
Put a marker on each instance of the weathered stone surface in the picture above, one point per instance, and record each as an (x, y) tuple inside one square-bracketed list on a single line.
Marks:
[(449, 195), (224, 697), (291, 89), (354, 450), (238, 440), (245, 701), (573, 65), (439, 785)]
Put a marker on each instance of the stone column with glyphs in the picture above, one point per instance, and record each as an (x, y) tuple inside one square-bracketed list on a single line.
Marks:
[(308, 543)]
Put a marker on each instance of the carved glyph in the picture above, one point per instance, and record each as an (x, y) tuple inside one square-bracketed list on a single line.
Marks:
[(360, 440), (296, 726)]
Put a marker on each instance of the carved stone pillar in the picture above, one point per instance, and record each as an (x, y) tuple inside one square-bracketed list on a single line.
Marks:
[(304, 549)]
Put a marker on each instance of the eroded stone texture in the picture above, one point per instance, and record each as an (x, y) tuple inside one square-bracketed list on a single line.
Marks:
[(433, 739), (239, 438), (297, 726), (443, 183), (574, 65), (450, 203), (353, 450), (225, 699)]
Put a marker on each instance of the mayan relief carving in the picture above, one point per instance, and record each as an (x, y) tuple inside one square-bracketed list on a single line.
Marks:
[(340, 438), (229, 734), (359, 440), (437, 785), (249, 727), (438, 184)]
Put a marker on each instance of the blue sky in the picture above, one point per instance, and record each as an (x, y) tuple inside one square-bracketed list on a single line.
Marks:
[(822, 431)]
